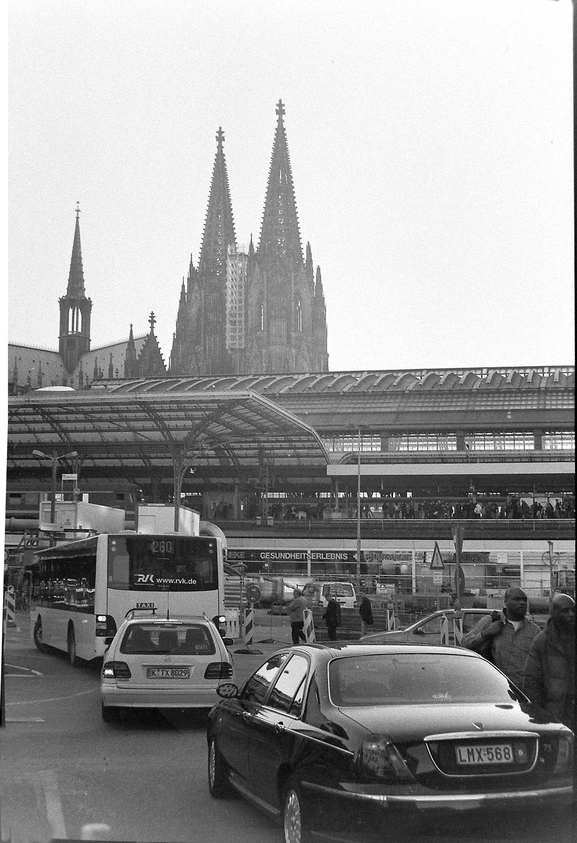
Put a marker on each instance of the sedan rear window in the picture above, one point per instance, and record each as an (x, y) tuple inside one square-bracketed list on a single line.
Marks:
[(413, 678), (182, 639)]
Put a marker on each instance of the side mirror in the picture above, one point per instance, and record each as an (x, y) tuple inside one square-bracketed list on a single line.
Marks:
[(228, 641), (419, 631), (227, 690)]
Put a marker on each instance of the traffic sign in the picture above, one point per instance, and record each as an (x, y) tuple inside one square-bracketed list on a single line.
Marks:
[(253, 593), (437, 577), (437, 560)]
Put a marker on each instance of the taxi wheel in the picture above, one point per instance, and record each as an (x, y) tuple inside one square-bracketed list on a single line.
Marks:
[(109, 714), (218, 781), (72, 657), (37, 634), (294, 814)]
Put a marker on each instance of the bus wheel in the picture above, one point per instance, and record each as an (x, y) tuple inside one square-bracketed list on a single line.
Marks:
[(37, 634), (72, 657)]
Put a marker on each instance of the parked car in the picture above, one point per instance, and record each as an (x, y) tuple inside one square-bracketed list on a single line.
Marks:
[(428, 630), (319, 594), (157, 662), (349, 738)]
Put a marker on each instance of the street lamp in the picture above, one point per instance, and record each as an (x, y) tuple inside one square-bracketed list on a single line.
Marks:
[(55, 458), (359, 510)]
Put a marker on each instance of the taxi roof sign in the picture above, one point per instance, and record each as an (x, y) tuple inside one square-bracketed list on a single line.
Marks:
[(437, 563)]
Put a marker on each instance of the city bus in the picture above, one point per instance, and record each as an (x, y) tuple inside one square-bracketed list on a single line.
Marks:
[(81, 590)]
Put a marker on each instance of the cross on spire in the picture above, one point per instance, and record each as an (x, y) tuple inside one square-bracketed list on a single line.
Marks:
[(280, 109), (152, 321), (220, 137)]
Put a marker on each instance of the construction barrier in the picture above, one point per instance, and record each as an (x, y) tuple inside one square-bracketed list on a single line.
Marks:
[(232, 623), (248, 631), (10, 606), (309, 627), (445, 630)]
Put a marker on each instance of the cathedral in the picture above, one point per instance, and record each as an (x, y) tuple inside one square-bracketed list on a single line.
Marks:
[(259, 311)]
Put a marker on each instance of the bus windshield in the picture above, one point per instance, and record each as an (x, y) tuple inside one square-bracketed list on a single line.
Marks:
[(152, 563)]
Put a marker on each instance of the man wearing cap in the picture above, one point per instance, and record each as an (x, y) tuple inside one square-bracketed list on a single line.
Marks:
[(550, 666), (510, 636)]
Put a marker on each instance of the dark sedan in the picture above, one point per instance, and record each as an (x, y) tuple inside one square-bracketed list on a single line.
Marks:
[(351, 738)]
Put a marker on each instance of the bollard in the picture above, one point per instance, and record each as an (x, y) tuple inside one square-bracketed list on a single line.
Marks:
[(248, 630), (10, 606), (309, 627)]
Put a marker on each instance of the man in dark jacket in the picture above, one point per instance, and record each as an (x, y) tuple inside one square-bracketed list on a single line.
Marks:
[(332, 618), (550, 666), (509, 637)]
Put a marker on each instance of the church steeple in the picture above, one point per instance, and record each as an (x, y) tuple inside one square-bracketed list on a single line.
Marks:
[(280, 236), (75, 309), (75, 288)]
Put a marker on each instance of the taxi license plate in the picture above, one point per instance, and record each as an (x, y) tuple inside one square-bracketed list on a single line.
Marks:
[(168, 673), (487, 754)]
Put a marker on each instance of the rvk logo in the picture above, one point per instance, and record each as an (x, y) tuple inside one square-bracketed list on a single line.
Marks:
[(141, 579)]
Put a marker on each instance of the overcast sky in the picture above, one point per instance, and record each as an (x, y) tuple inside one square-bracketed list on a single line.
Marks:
[(431, 147)]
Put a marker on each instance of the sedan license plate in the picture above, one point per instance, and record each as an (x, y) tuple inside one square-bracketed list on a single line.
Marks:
[(168, 673), (487, 754)]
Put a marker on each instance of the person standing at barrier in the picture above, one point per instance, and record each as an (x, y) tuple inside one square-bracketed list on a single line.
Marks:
[(510, 636), (297, 615), (366, 613), (332, 618), (550, 666)]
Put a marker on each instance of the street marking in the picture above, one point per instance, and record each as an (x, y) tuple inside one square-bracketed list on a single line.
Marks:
[(20, 667), (47, 782), (25, 720), (56, 699)]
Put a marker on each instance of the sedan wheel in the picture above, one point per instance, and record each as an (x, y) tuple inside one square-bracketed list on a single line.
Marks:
[(218, 781), (294, 825)]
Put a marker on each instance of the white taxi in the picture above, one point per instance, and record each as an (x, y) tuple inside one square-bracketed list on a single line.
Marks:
[(157, 662)]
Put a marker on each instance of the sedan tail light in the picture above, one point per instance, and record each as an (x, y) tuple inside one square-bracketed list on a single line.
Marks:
[(116, 670), (380, 759), (218, 670), (564, 754)]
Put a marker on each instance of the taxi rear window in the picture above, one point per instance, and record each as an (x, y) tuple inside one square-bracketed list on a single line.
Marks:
[(184, 639)]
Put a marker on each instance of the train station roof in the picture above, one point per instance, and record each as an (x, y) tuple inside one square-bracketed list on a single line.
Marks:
[(124, 434)]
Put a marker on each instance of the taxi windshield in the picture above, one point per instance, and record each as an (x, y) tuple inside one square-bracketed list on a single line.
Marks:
[(185, 639)]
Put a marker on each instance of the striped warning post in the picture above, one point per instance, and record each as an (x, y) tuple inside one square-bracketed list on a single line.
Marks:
[(10, 606), (248, 631), (445, 630), (309, 627)]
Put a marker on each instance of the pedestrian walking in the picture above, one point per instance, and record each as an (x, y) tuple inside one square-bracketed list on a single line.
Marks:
[(507, 639), (297, 616), (332, 618), (366, 613), (550, 666)]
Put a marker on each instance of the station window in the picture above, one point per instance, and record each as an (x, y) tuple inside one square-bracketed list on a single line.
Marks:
[(423, 442), (558, 440), (507, 441)]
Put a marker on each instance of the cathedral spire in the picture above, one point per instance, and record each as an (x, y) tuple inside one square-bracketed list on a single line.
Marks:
[(76, 275), (219, 225), (280, 235), (75, 309)]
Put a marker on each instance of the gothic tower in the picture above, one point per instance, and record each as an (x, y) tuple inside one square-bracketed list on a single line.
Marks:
[(199, 342), (75, 309), (286, 316)]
